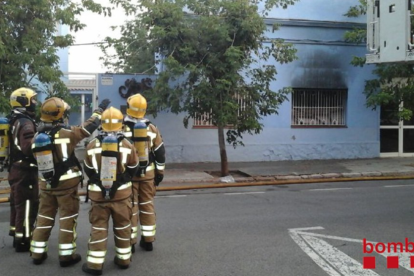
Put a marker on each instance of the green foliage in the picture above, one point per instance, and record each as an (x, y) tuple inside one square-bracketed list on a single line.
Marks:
[(358, 10), (213, 53), (30, 39), (394, 83)]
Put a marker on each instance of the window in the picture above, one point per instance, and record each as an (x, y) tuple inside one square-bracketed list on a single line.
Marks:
[(319, 107), (205, 119)]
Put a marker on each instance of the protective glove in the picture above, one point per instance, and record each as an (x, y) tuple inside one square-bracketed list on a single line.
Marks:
[(158, 179), (104, 104)]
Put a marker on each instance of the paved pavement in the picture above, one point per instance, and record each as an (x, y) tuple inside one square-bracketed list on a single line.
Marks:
[(207, 175), (282, 172)]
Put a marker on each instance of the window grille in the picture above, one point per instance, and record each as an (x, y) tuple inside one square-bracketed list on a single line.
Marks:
[(319, 107), (205, 119)]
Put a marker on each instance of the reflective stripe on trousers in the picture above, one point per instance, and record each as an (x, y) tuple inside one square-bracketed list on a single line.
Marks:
[(99, 216), (148, 230), (67, 204), (38, 247)]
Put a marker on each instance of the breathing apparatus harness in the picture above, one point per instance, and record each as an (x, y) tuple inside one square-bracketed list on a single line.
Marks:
[(108, 185), (45, 152)]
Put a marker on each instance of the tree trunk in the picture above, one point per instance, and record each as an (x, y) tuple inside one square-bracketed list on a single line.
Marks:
[(223, 152)]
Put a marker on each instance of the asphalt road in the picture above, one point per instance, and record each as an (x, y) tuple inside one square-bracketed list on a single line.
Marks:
[(254, 231)]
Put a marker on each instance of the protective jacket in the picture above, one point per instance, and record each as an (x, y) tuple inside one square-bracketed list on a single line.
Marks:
[(65, 141), (143, 186), (63, 197), (155, 148), (118, 205), (22, 178), (127, 165)]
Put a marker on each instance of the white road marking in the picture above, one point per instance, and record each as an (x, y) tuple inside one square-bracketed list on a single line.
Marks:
[(332, 260), (172, 196), (328, 189), (339, 260), (246, 193), (398, 186), (313, 255), (403, 259), (330, 237), (306, 228)]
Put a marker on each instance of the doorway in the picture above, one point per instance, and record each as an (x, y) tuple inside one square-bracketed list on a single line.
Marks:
[(396, 136)]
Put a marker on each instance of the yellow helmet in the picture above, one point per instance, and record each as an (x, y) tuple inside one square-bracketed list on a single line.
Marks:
[(111, 119), (53, 109), (22, 97), (136, 106)]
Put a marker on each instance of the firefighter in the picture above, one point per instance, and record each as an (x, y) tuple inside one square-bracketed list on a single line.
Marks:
[(110, 164), (22, 171), (151, 153), (60, 174)]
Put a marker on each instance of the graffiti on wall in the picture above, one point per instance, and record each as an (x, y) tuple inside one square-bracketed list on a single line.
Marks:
[(132, 87)]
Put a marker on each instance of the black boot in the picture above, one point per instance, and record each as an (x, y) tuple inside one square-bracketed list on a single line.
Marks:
[(75, 259), (91, 271), (133, 248), (121, 266), (40, 261), (21, 246), (147, 246)]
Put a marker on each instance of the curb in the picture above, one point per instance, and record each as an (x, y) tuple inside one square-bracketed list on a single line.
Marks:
[(264, 181), (286, 181)]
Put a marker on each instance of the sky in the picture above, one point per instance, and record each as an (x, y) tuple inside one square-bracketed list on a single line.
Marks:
[(85, 58)]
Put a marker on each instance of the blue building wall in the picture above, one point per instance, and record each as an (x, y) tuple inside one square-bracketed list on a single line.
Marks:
[(316, 28), (322, 10), (108, 87)]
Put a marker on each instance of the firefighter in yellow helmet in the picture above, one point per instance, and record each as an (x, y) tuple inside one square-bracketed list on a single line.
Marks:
[(151, 152), (59, 174), (110, 163), (23, 170)]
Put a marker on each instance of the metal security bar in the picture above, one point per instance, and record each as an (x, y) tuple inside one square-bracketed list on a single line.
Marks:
[(205, 119), (319, 107)]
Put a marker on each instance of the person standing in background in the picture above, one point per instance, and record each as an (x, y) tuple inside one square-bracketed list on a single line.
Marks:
[(151, 153), (22, 176)]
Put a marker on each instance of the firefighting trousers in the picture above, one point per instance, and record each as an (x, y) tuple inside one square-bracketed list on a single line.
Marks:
[(65, 202), (24, 203), (143, 212), (99, 215)]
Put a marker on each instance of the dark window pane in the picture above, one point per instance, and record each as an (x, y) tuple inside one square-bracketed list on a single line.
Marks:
[(408, 142), (389, 140)]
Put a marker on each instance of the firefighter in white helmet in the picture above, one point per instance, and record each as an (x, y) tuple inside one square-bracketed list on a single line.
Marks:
[(151, 152), (23, 170), (110, 164), (60, 175)]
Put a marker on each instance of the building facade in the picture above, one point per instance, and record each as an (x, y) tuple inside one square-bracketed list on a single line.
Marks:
[(324, 118)]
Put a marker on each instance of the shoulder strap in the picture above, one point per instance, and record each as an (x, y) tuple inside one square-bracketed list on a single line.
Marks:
[(63, 166)]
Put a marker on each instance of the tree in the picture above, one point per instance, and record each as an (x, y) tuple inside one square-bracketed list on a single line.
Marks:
[(214, 52), (29, 41), (394, 84)]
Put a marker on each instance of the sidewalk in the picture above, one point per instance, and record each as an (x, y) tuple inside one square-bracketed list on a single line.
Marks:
[(204, 175), (184, 176)]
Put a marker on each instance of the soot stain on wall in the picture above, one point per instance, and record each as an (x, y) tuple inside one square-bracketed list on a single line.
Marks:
[(319, 69)]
